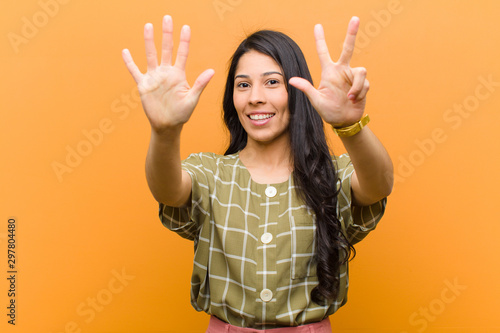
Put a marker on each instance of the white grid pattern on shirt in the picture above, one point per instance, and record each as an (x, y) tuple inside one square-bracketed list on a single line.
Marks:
[(228, 214)]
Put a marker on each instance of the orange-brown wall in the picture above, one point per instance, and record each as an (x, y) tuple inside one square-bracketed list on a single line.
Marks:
[(92, 255)]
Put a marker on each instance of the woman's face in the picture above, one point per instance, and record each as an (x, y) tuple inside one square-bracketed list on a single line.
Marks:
[(261, 99)]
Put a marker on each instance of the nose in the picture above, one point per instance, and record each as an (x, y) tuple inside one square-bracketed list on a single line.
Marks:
[(257, 95)]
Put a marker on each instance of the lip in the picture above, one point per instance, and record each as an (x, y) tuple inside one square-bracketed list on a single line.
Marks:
[(260, 122)]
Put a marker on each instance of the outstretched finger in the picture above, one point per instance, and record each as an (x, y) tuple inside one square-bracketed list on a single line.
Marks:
[(183, 50), (321, 47), (201, 82), (306, 87), (151, 56), (167, 42), (131, 66), (349, 42)]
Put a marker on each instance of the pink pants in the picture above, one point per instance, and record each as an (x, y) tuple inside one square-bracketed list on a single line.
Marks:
[(217, 326)]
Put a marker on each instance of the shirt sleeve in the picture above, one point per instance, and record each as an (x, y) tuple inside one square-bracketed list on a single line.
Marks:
[(185, 221), (357, 221)]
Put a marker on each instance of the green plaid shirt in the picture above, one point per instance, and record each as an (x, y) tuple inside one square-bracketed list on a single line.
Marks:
[(254, 243)]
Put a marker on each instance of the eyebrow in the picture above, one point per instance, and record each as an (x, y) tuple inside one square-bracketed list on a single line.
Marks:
[(245, 76)]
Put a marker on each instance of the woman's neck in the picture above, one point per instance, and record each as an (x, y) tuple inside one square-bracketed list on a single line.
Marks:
[(268, 163)]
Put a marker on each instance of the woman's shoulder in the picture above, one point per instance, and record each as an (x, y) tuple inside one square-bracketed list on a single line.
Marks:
[(342, 162), (209, 159)]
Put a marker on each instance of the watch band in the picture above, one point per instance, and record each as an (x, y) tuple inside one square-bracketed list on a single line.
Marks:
[(351, 129)]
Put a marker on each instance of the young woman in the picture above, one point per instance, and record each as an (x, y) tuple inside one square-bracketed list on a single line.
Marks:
[(274, 219)]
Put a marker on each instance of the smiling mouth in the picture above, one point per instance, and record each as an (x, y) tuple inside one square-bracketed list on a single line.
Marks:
[(260, 116)]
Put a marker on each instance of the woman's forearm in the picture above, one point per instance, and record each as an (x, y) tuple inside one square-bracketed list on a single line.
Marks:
[(373, 170), (168, 183)]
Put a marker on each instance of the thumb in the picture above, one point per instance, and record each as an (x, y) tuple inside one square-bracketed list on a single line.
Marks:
[(305, 86), (201, 82)]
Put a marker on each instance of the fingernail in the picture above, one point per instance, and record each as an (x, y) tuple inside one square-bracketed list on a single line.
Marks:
[(351, 97)]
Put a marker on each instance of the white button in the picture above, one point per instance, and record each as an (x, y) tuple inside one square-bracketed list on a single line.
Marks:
[(266, 295), (271, 191), (266, 238)]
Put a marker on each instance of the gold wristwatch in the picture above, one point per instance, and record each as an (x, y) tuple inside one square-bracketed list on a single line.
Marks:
[(351, 129)]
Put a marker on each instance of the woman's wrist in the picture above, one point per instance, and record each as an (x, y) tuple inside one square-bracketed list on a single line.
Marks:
[(167, 132), (353, 129)]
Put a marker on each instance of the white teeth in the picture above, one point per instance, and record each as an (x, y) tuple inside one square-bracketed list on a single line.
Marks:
[(260, 116)]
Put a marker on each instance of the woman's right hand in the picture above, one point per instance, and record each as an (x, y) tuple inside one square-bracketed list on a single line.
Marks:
[(166, 96)]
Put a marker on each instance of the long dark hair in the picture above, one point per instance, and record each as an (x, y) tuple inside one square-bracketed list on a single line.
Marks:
[(313, 169)]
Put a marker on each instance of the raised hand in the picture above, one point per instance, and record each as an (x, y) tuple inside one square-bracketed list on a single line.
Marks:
[(341, 95), (166, 96)]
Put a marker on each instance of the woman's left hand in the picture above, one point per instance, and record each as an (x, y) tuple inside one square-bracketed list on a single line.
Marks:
[(341, 96)]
